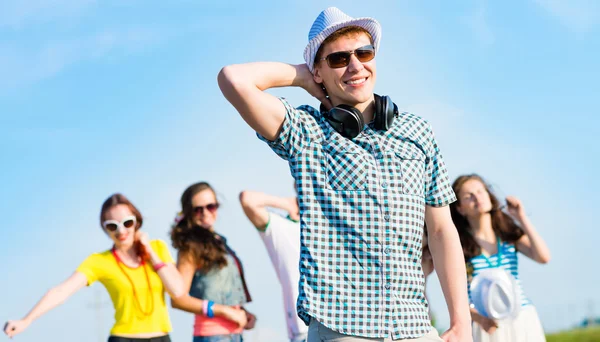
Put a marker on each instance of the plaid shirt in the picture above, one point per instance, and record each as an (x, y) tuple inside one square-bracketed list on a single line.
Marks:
[(362, 205)]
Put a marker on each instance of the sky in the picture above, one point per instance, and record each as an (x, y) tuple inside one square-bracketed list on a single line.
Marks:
[(98, 97)]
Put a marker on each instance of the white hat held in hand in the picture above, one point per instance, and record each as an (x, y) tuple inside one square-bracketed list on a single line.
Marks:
[(495, 294)]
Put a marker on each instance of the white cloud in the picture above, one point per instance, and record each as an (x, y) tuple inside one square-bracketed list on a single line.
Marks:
[(579, 16)]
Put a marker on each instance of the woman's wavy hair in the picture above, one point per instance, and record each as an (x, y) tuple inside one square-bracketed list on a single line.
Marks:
[(204, 246)]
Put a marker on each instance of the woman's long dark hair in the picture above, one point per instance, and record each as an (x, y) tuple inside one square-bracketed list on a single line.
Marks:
[(503, 224), (204, 246)]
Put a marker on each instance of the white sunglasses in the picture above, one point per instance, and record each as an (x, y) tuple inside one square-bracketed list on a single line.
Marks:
[(112, 225)]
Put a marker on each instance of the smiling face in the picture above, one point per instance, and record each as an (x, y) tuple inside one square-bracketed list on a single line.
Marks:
[(119, 226), (205, 208), (352, 84)]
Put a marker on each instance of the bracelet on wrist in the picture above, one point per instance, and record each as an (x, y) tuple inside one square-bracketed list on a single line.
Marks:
[(209, 309), (158, 266)]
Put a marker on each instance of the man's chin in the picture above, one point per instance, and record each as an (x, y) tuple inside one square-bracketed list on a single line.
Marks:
[(357, 101), (359, 97)]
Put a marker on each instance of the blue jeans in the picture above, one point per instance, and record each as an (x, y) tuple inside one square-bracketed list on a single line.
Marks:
[(219, 338)]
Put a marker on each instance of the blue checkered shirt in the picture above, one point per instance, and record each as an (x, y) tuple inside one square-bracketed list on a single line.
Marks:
[(362, 205)]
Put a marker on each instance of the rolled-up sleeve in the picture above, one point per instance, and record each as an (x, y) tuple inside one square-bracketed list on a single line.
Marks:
[(438, 189)]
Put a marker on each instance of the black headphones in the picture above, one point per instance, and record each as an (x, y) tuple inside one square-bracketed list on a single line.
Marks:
[(348, 121)]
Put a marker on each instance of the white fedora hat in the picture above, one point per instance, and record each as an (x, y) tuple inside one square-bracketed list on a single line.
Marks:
[(331, 20), (496, 294)]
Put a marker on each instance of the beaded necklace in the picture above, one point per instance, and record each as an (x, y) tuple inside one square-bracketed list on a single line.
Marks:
[(135, 295)]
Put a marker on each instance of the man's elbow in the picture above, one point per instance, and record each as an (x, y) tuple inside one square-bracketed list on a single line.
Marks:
[(224, 76), (229, 79)]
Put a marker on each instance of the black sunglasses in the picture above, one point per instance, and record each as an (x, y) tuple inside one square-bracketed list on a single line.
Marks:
[(341, 59), (212, 207)]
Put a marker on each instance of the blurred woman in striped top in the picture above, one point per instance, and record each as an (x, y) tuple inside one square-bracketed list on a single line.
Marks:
[(491, 234)]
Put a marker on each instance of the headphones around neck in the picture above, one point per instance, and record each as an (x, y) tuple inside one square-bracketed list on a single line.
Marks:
[(348, 121)]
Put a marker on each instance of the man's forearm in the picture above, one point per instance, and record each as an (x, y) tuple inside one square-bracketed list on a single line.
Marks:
[(450, 267), (244, 85), (265, 75)]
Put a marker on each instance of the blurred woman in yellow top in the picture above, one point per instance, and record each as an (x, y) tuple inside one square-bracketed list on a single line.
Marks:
[(136, 272)]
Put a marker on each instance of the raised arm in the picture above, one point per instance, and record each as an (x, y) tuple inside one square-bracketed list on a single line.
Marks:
[(187, 268), (244, 85), (255, 206), (167, 271), (449, 264), (53, 298), (531, 244), (169, 276)]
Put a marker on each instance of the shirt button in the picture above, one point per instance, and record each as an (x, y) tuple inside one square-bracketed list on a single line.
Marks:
[(386, 251), (384, 185), (388, 285), (386, 217)]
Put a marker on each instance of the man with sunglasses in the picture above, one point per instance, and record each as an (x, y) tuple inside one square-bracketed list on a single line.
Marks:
[(363, 196)]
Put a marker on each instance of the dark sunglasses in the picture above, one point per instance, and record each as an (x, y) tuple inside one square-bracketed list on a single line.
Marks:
[(113, 225), (341, 59), (212, 207)]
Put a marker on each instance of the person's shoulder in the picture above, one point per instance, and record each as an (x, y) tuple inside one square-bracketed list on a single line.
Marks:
[(158, 241), (412, 119), (104, 254), (310, 110), (99, 257), (302, 109), (415, 128), (158, 244)]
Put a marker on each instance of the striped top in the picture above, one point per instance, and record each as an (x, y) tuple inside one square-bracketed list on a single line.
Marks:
[(508, 261)]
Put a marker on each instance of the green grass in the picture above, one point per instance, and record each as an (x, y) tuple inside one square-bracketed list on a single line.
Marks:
[(576, 335)]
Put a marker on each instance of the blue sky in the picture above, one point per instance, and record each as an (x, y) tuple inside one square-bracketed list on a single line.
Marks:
[(121, 96)]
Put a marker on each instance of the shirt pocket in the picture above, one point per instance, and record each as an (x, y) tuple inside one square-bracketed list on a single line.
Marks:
[(347, 167), (411, 164)]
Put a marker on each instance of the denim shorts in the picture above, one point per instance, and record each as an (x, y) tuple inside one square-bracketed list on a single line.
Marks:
[(219, 338)]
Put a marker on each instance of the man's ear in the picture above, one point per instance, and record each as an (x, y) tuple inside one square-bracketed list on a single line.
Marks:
[(317, 75)]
